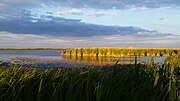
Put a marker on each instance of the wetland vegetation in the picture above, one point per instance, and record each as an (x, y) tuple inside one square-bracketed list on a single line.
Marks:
[(148, 82), (121, 52)]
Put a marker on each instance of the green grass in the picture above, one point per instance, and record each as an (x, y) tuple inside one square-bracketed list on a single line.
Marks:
[(150, 82)]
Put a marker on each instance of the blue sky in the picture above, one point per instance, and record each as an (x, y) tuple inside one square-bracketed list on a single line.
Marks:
[(89, 23)]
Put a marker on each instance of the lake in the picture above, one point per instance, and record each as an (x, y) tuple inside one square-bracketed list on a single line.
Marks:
[(53, 58)]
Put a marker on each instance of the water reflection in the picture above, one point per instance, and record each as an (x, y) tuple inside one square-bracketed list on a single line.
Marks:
[(30, 52), (35, 58), (54, 57), (95, 59), (112, 60)]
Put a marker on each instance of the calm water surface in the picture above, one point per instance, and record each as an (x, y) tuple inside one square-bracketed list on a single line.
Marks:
[(27, 55), (54, 57), (30, 52)]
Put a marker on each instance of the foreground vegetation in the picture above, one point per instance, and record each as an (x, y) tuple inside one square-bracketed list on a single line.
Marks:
[(120, 52), (152, 82)]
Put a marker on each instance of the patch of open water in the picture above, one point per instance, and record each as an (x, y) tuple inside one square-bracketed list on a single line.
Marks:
[(53, 58)]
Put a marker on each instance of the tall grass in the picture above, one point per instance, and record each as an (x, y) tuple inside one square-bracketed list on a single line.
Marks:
[(151, 82), (121, 52)]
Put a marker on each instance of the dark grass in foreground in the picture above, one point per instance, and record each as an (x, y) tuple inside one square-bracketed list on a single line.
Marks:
[(135, 83)]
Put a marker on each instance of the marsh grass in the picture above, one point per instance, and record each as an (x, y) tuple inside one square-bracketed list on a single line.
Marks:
[(120, 52), (149, 82)]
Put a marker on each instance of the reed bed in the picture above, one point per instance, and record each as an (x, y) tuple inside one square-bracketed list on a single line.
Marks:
[(121, 52), (149, 82)]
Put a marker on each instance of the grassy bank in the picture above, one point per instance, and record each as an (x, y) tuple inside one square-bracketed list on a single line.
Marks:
[(150, 82), (120, 52)]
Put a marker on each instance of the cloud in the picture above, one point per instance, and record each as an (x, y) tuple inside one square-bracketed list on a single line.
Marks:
[(118, 4), (21, 3), (96, 4), (56, 32), (60, 14), (97, 14), (74, 11), (20, 28), (23, 22), (12, 40), (56, 26), (79, 12), (14, 13), (8, 39)]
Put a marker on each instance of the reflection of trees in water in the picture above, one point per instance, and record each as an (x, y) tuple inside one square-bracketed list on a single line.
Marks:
[(97, 59)]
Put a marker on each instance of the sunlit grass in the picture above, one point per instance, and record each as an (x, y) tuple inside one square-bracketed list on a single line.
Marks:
[(121, 52), (151, 82)]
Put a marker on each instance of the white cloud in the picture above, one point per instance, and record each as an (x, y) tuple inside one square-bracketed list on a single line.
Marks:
[(74, 11), (97, 14), (60, 14), (79, 12), (141, 8)]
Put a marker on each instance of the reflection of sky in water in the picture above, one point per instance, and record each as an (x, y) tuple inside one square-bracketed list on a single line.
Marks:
[(30, 52), (8, 55), (157, 59), (112, 60), (12, 57)]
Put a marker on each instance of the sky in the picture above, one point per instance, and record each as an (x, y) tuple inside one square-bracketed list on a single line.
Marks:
[(89, 23)]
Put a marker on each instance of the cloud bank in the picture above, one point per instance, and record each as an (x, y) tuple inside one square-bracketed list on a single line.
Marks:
[(20, 28), (23, 22), (97, 4), (56, 26), (12, 40)]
